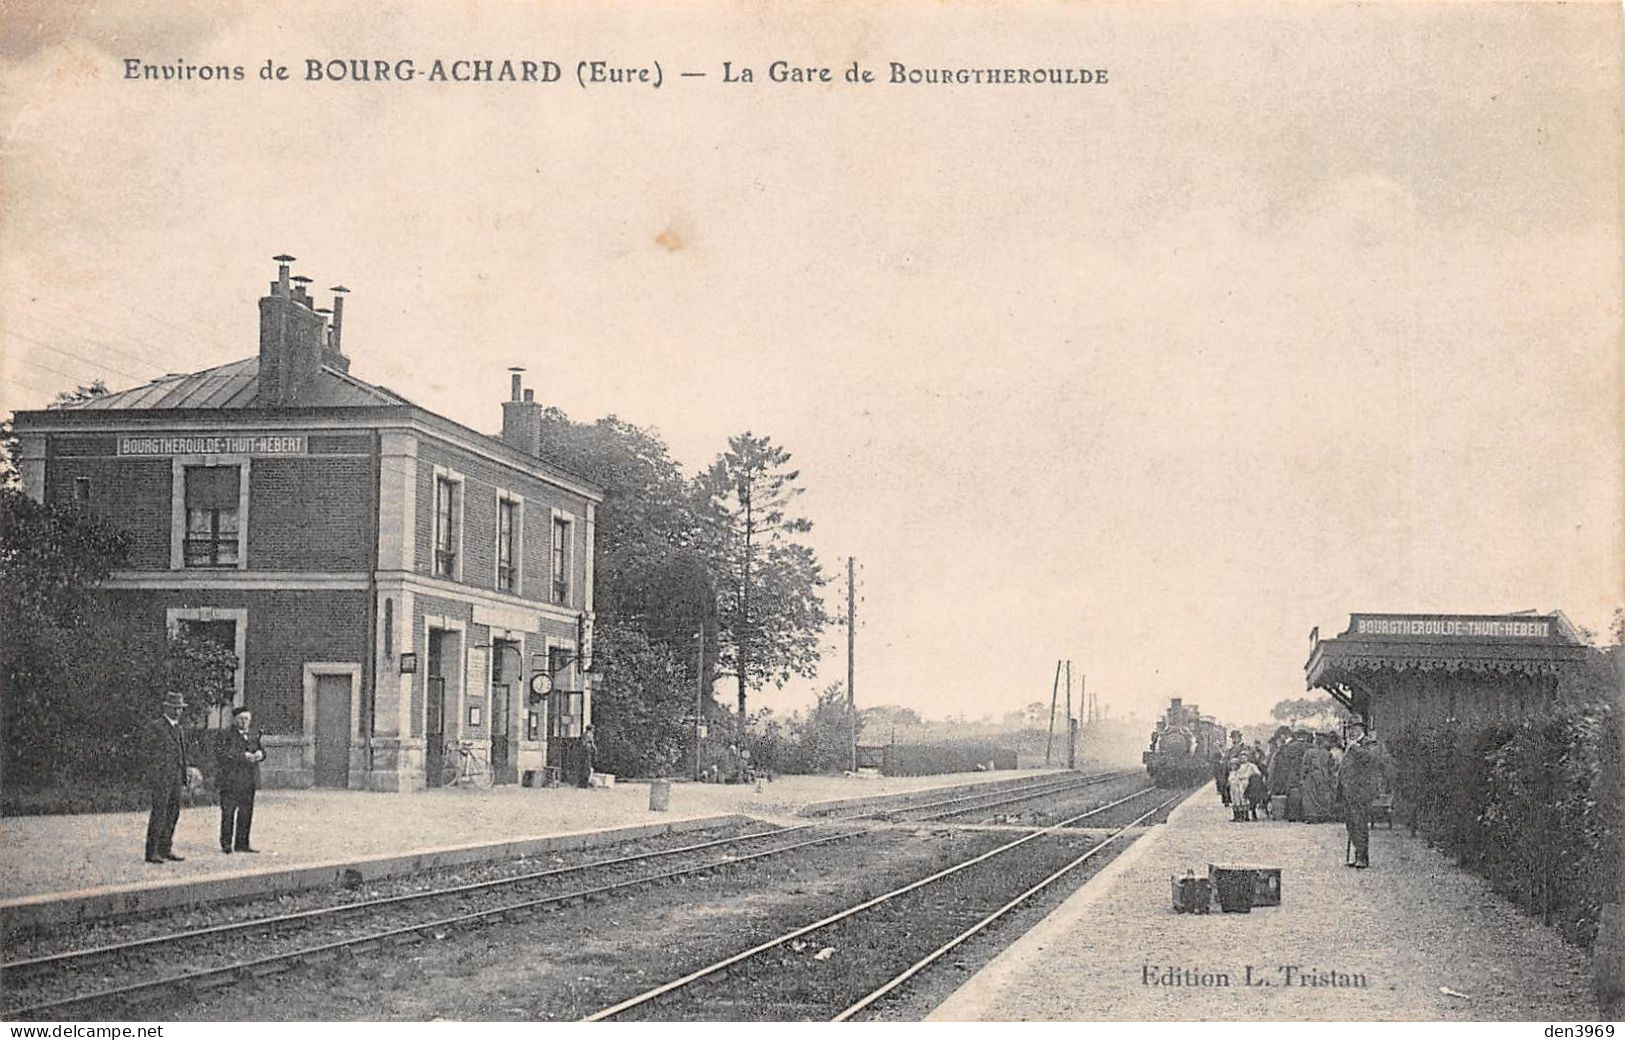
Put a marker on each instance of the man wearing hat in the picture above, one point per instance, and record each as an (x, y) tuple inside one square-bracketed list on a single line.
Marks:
[(165, 751), (238, 759), (1361, 776)]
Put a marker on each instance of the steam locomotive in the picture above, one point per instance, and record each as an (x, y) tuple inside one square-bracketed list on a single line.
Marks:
[(1182, 746)]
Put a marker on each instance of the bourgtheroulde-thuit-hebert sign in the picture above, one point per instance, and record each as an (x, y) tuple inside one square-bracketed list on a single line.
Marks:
[(1446, 627), (213, 444)]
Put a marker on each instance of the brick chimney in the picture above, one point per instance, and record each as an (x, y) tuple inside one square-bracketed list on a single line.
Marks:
[(522, 417), (293, 337), (332, 356)]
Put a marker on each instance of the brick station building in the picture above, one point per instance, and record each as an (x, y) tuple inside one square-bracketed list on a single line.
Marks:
[(392, 582), (1404, 672)]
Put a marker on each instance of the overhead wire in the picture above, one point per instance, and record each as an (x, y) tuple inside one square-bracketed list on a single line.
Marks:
[(77, 357), (133, 355), (29, 360), (126, 334)]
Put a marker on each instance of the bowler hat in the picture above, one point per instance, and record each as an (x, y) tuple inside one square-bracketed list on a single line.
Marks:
[(174, 699), (244, 710)]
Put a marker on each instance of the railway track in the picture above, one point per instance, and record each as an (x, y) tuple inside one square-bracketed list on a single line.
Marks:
[(975, 803), (1065, 808), (783, 977), (127, 970)]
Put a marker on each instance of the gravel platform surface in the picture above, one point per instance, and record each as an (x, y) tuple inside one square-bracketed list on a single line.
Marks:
[(49, 854), (1413, 938)]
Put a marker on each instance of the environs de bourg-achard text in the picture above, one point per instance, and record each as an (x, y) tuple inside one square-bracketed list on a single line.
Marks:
[(605, 73)]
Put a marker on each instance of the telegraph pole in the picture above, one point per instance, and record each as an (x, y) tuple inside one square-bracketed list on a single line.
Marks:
[(1054, 690), (852, 655), (1071, 727), (699, 699), (1069, 692)]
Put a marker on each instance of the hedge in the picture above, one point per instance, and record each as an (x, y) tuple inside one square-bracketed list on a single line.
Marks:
[(936, 759), (1533, 806)]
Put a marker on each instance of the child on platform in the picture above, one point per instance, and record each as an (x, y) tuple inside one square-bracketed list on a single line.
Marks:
[(1240, 778)]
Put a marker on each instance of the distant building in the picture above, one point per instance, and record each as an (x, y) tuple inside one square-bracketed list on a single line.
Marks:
[(1404, 672), (391, 581)]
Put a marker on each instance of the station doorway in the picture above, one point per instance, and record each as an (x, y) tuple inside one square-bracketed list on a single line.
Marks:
[(332, 737), (439, 708), (506, 665)]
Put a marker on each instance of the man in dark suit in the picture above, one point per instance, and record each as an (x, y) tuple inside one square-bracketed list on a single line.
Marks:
[(589, 751), (165, 753), (238, 757), (1286, 774), (1361, 776)]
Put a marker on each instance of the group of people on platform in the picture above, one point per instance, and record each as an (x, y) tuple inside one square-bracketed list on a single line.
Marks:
[(1306, 777), (170, 772)]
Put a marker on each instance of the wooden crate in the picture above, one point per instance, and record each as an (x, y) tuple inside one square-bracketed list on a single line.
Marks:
[(1266, 881)]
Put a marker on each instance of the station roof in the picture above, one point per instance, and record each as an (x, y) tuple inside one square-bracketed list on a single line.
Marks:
[(236, 385), (1529, 644)]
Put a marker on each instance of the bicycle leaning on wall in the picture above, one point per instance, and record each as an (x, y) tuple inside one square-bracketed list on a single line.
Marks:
[(465, 764)]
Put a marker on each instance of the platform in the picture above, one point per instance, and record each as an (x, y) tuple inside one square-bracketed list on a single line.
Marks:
[(93, 864), (1413, 938)]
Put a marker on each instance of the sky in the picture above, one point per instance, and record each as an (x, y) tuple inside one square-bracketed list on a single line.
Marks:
[(1308, 310)]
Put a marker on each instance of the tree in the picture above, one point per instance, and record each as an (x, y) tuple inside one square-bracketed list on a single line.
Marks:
[(1600, 675), (662, 571), (59, 629), (9, 477), (643, 703), (8, 455), (1324, 711), (769, 609), (653, 592), (201, 670), (885, 715), (648, 512), (822, 736)]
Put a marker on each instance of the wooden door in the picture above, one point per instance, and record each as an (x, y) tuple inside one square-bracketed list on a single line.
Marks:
[(434, 724), (333, 730), (505, 666)]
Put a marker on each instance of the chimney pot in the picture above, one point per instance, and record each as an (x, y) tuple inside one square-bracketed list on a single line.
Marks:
[(530, 395), (336, 333), (280, 287), (515, 382)]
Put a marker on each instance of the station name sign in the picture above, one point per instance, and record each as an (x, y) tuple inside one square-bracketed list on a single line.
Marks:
[(214, 444), (1457, 627)]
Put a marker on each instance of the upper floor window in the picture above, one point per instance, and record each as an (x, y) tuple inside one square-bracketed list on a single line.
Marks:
[(561, 560), (507, 545), (213, 523), (447, 521)]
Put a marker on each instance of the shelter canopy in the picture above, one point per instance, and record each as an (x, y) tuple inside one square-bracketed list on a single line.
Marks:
[(1494, 644)]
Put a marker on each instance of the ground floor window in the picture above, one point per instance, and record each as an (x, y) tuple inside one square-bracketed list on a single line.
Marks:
[(223, 633)]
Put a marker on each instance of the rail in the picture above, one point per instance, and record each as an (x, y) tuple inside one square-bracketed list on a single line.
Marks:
[(744, 955), (73, 959)]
